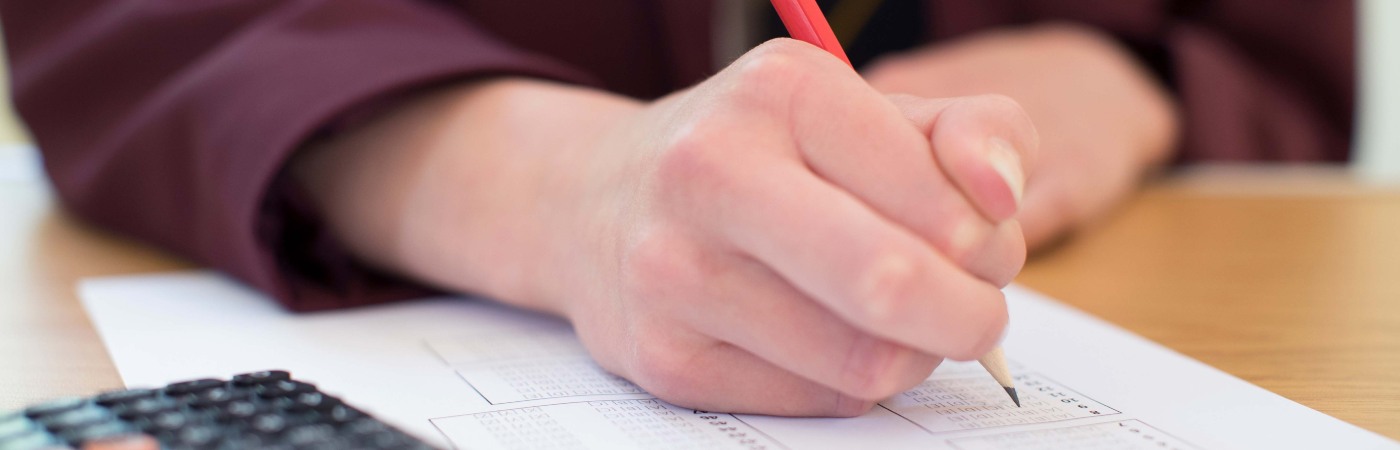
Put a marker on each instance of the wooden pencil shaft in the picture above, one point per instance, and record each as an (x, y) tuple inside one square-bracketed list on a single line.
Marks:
[(995, 363)]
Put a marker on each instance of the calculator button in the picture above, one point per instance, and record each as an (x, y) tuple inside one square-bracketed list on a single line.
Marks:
[(215, 397), (167, 421), (14, 424), (265, 410), (55, 407), (199, 435), (268, 424), (238, 410), (244, 440), (192, 387), (341, 414), (255, 378), (284, 388), (31, 441), (308, 434), (313, 401), (145, 407), (113, 398), (77, 436), (336, 444), (75, 418)]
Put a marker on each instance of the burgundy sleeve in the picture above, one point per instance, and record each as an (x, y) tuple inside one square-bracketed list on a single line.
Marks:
[(171, 120), (1256, 80)]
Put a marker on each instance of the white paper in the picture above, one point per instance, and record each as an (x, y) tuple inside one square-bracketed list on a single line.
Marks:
[(20, 163), (470, 373)]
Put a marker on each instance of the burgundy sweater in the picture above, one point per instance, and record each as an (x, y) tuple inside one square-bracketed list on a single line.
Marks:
[(170, 120)]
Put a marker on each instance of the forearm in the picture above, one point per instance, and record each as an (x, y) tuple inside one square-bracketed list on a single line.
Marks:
[(500, 149)]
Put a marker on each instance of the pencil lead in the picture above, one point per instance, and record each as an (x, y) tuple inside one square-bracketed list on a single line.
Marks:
[(1012, 392)]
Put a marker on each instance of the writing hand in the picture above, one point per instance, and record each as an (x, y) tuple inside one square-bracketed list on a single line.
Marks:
[(779, 239)]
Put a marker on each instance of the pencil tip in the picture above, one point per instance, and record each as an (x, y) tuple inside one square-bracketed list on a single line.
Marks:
[(1014, 398)]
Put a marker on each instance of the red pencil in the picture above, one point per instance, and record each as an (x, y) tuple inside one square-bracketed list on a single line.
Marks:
[(805, 22)]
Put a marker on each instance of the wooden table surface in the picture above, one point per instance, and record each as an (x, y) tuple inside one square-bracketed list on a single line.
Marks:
[(1289, 279)]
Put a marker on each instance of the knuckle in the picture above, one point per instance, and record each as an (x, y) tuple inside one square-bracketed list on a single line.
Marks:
[(971, 346), (655, 266), (778, 50), (874, 368), (772, 65), (883, 288), (692, 162), (964, 237)]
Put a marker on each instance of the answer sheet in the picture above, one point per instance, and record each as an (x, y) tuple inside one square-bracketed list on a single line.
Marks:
[(472, 374)]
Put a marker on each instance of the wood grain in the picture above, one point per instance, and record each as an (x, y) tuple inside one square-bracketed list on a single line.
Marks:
[(1296, 292), (1287, 279), (48, 347)]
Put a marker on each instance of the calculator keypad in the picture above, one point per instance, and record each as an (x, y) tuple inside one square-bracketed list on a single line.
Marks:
[(255, 410)]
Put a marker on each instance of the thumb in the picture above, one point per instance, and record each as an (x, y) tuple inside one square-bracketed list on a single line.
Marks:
[(986, 144)]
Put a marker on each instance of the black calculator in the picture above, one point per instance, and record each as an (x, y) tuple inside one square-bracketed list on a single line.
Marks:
[(260, 410)]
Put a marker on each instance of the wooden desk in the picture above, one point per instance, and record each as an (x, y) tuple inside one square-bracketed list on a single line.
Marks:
[(1287, 279), (1290, 280)]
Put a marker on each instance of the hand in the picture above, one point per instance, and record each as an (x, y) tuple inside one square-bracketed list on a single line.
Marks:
[(780, 239), (1104, 121)]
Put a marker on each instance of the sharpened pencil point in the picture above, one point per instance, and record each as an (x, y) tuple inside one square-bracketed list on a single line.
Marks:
[(995, 363)]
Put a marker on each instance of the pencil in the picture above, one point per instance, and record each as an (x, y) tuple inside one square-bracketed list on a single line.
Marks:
[(804, 21), (995, 363)]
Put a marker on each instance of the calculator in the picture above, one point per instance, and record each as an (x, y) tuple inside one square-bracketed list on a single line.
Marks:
[(260, 410)]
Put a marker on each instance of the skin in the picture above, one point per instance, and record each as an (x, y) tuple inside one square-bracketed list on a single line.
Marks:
[(1104, 121), (742, 245), (137, 442)]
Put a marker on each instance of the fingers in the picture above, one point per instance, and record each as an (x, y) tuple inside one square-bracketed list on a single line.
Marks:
[(873, 274), (854, 251), (985, 144), (858, 140), (749, 306), (684, 299), (716, 376)]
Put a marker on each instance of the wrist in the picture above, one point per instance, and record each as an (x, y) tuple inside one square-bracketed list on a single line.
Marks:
[(472, 188)]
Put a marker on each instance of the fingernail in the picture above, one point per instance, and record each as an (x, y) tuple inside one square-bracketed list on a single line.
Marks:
[(1007, 163)]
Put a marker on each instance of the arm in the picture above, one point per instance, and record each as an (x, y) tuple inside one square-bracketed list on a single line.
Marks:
[(828, 250), (171, 122)]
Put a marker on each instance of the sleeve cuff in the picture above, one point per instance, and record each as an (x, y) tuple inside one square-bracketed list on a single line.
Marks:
[(280, 84)]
